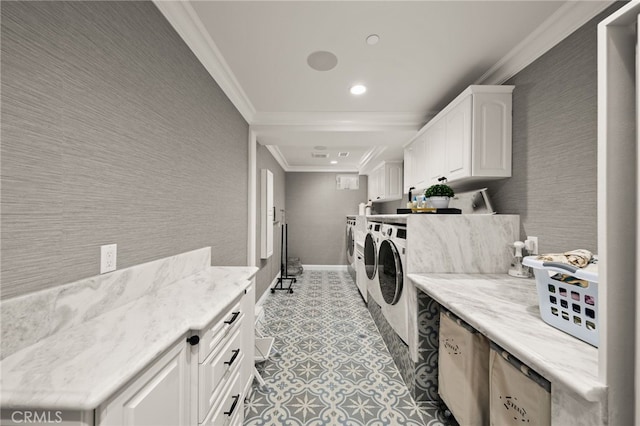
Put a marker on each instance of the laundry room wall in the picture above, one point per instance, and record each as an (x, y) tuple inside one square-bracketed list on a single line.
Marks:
[(269, 268), (112, 132), (554, 179), (316, 214)]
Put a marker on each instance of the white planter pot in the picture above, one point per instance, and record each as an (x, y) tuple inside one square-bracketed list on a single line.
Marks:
[(439, 202)]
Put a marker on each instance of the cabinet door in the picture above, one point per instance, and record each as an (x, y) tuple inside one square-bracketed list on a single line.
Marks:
[(380, 186), (435, 152), (267, 214), (393, 181), (419, 165), (157, 397), (458, 141), (248, 305), (492, 135), (407, 168), (376, 184), (371, 186)]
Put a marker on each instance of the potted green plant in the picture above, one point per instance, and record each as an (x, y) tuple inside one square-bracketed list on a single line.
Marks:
[(439, 195)]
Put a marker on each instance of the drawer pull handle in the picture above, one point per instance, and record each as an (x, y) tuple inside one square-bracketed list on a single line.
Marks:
[(193, 340), (233, 358), (233, 318), (236, 398)]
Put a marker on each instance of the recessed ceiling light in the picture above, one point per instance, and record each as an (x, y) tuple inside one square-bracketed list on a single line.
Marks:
[(334, 162), (322, 61), (373, 39), (358, 89)]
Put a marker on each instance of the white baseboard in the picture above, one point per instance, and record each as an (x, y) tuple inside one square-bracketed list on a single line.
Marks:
[(325, 267), (267, 291)]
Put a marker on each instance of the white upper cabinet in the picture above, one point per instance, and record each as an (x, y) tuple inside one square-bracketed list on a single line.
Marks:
[(469, 140), (456, 143), (433, 162), (492, 134), (385, 182)]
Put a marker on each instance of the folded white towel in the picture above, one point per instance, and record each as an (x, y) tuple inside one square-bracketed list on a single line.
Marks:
[(578, 258)]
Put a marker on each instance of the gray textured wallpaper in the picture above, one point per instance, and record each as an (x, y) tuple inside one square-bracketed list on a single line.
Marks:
[(112, 132), (269, 268), (554, 182), (317, 216)]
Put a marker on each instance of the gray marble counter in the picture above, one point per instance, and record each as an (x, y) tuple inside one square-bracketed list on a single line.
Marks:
[(79, 367), (505, 309), (388, 218)]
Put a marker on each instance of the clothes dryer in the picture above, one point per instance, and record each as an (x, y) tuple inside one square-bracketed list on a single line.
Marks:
[(371, 241), (391, 272), (351, 244)]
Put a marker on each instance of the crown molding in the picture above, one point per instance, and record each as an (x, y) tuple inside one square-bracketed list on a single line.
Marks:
[(366, 163), (344, 119), (328, 169), (567, 19), (277, 155), (185, 21)]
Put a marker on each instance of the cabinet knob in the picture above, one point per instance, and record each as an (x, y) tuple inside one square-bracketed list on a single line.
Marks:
[(193, 340)]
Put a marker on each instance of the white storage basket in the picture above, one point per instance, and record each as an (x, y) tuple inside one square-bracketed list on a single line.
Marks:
[(568, 307)]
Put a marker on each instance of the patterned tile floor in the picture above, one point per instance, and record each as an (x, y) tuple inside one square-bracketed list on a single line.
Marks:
[(330, 365)]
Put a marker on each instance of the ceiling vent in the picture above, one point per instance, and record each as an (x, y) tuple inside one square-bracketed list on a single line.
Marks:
[(343, 154), (319, 155)]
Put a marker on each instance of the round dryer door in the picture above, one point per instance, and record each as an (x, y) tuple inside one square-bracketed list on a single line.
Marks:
[(370, 256), (350, 243), (390, 272)]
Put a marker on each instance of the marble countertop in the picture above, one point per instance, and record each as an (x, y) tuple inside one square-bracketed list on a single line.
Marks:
[(388, 218), (79, 368), (505, 309)]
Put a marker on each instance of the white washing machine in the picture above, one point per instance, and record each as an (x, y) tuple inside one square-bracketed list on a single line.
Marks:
[(371, 242), (393, 286), (361, 274), (351, 245)]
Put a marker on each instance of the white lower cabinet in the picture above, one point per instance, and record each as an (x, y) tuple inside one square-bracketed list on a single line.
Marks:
[(229, 408), (157, 397), (203, 382)]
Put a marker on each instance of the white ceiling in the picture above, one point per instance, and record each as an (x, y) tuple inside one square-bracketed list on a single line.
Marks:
[(428, 52)]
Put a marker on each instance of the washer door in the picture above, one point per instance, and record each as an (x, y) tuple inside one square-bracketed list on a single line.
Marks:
[(370, 256), (390, 272), (350, 245)]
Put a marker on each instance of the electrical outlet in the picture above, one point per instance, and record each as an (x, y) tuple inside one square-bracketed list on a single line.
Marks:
[(531, 244), (108, 255)]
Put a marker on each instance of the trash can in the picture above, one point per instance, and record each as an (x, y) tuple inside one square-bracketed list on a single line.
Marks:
[(463, 370), (519, 395)]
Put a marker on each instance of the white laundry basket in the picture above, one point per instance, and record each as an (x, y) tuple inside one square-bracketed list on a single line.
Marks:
[(568, 307)]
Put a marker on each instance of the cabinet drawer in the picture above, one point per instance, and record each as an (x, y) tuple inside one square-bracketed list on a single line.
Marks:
[(217, 371), (228, 410), (213, 335)]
